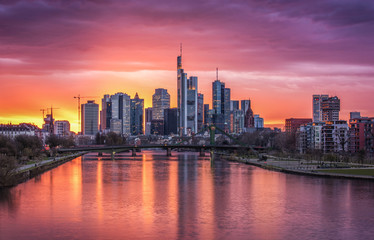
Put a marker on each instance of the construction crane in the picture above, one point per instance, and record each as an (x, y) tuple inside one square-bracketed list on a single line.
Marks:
[(79, 106), (43, 110)]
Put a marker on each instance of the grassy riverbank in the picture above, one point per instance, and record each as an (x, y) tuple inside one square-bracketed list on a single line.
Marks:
[(28, 171), (311, 168)]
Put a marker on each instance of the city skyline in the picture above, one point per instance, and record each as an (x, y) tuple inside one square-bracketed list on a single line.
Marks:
[(269, 53)]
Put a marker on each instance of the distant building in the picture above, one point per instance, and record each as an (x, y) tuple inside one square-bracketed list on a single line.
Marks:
[(136, 118), (170, 121), (148, 119), (221, 102), (310, 137), (90, 118), (335, 136), (258, 121), (292, 124), (317, 106), (11, 130), (115, 113), (187, 89), (105, 113), (62, 128), (238, 121), (353, 115), (248, 113), (207, 115), (234, 105), (330, 109), (200, 111), (157, 127), (361, 134), (49, 122), (160, 101)]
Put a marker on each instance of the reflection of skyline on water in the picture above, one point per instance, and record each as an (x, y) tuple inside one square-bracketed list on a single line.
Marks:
[(183, 196)]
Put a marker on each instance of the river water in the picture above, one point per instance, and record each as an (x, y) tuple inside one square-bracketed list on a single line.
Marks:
[(152, 196)]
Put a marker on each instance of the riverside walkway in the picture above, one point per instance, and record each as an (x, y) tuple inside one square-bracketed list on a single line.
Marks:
[(313, 167)]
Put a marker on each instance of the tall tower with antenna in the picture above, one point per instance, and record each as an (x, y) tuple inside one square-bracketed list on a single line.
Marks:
[(187, 100)]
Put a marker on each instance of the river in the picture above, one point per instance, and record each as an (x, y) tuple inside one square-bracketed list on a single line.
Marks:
[(185, 196)]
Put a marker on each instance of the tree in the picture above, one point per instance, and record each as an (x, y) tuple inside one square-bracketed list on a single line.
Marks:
[(8, 166)]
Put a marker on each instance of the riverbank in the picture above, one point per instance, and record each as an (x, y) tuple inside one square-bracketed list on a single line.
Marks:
[(311, 168), (26, 172)]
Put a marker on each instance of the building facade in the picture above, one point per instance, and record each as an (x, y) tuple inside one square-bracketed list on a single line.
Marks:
[(221, 102), (62, 128), (200, 111), (292, 124), (136, 118), (361, 135), (330, 109), (170, 121), (248, 113), (317, 103), (90, 118), (160, 101)]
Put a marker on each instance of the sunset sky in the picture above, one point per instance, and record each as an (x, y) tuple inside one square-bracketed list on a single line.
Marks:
[(277, 53)]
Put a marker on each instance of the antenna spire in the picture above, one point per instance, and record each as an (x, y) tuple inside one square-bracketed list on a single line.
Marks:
[(217, 73), (181, 49)]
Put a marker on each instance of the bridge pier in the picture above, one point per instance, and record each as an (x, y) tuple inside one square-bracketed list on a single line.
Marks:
[(202, 152), (211, 155), (168, 152), (100, 154), (112, 155), (133, 152)]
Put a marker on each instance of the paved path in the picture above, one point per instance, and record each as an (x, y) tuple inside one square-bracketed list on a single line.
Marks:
[(24, 167)]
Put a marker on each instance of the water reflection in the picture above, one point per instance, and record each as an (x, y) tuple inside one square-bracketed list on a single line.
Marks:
[(151, 196)]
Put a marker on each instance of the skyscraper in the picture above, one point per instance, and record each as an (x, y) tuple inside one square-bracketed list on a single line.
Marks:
[(117, 113), (200, 111), (160, 101), (90, 118), (136, 118), (105, 113), (207, 115), (187, 100), (221, 102), (317, 111)]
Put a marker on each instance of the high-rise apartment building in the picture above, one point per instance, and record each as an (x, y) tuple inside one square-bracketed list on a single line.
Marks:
[(90, 118), (317, 106), (330, 109), (160, 101), (136, 118), (187, 100)]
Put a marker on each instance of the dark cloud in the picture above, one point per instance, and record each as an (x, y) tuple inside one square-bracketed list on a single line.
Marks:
[(262, 35)]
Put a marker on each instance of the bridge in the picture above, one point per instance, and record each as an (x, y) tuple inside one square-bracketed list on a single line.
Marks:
[(136, 148)]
